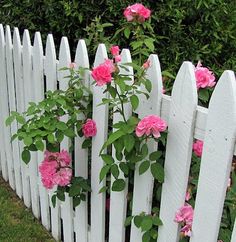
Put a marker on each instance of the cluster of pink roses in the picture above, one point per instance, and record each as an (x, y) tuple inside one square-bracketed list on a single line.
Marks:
[(55, 169), (151, 125), (204, 77), (89, 128), (137, 12)]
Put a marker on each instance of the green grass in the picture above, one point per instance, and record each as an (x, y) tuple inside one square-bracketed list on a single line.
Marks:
[(17, 223)]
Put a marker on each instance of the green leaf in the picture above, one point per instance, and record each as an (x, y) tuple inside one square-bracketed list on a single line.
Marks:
[(76, 201), (28, 141), (144, 150), (129, 142), (59, 136), (146, 223), (144, 167), (86, 143), (103, 189), (124, 167), (146, 237), (51, 138), (115, 171), (32, 147), (128, 221), (61, 195), (61, 126), (112, 91), (149, 44), (9, 120), (25, 155), (69, 133), (104, 172), (14, 136), (113, 137), (156, 220), (138, 220), (54, 200), (155, 155), (203, 95), (39, 145), (134, 101), (127, 33), (20, 119), (157, 172), (148, 85), (118, 185), (108, 159)]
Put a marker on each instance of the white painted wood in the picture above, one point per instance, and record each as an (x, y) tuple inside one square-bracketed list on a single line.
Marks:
[(4, 105), (12, 102), (29, 84), (233, 237), (50, 71), (100, 116), (38, 79), (216, 160), (143, 184), (118, 200), (67, 206), (81, 155), (178, 150), (17, 59)]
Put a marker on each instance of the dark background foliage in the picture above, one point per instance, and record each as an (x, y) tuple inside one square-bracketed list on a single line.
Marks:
[(185, 30)]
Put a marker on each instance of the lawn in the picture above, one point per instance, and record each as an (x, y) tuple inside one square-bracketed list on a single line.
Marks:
[(17, 223)]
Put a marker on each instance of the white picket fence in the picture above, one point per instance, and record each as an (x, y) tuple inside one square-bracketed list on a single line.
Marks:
[(23, 69)]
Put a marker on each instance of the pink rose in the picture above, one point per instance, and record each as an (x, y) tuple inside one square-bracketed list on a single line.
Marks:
[(117, 58), (151, 125), (187, 196), (63, 177), (137, 12), (147, 64), (102, 74), (184, 214), (64, 158), (89, 128), (115, 50), (204, 77), (187, 230), (72, 65), (197, 148)]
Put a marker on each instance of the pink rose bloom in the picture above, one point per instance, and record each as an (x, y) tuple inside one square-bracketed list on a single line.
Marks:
[(184, 214), (64, 158), (151, 125), (72, 65), (137, 12), (197, 148), (89, 129), (187, 196), (204, 77), (117, 58), (102, 74), (186, 230), (63, 177), (147, 64), (115, 50)]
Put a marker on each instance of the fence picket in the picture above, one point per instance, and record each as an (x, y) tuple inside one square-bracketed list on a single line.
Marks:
[(67, 206), (216, 160), (118, 200), (12, 103), (100, 115), (17, 59), (178, 150), (4, 105), (50, 71), (81, 155), (38, 96), (233, 237), (143, 184)]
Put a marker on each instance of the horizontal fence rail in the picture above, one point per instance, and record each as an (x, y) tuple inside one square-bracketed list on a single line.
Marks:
[(27, 70)]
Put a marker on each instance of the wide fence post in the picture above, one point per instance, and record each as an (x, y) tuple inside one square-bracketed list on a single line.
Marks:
[(178, 150), (143, 184), (216, 160)]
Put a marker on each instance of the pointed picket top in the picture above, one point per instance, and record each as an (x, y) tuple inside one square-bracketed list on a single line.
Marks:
[(38, 67), (64, 61), (8, 36), (216, 160), (154, 75), (100, 115), (118, 200), (2, 36), (178, 150), (50, 64), (81, 55)]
